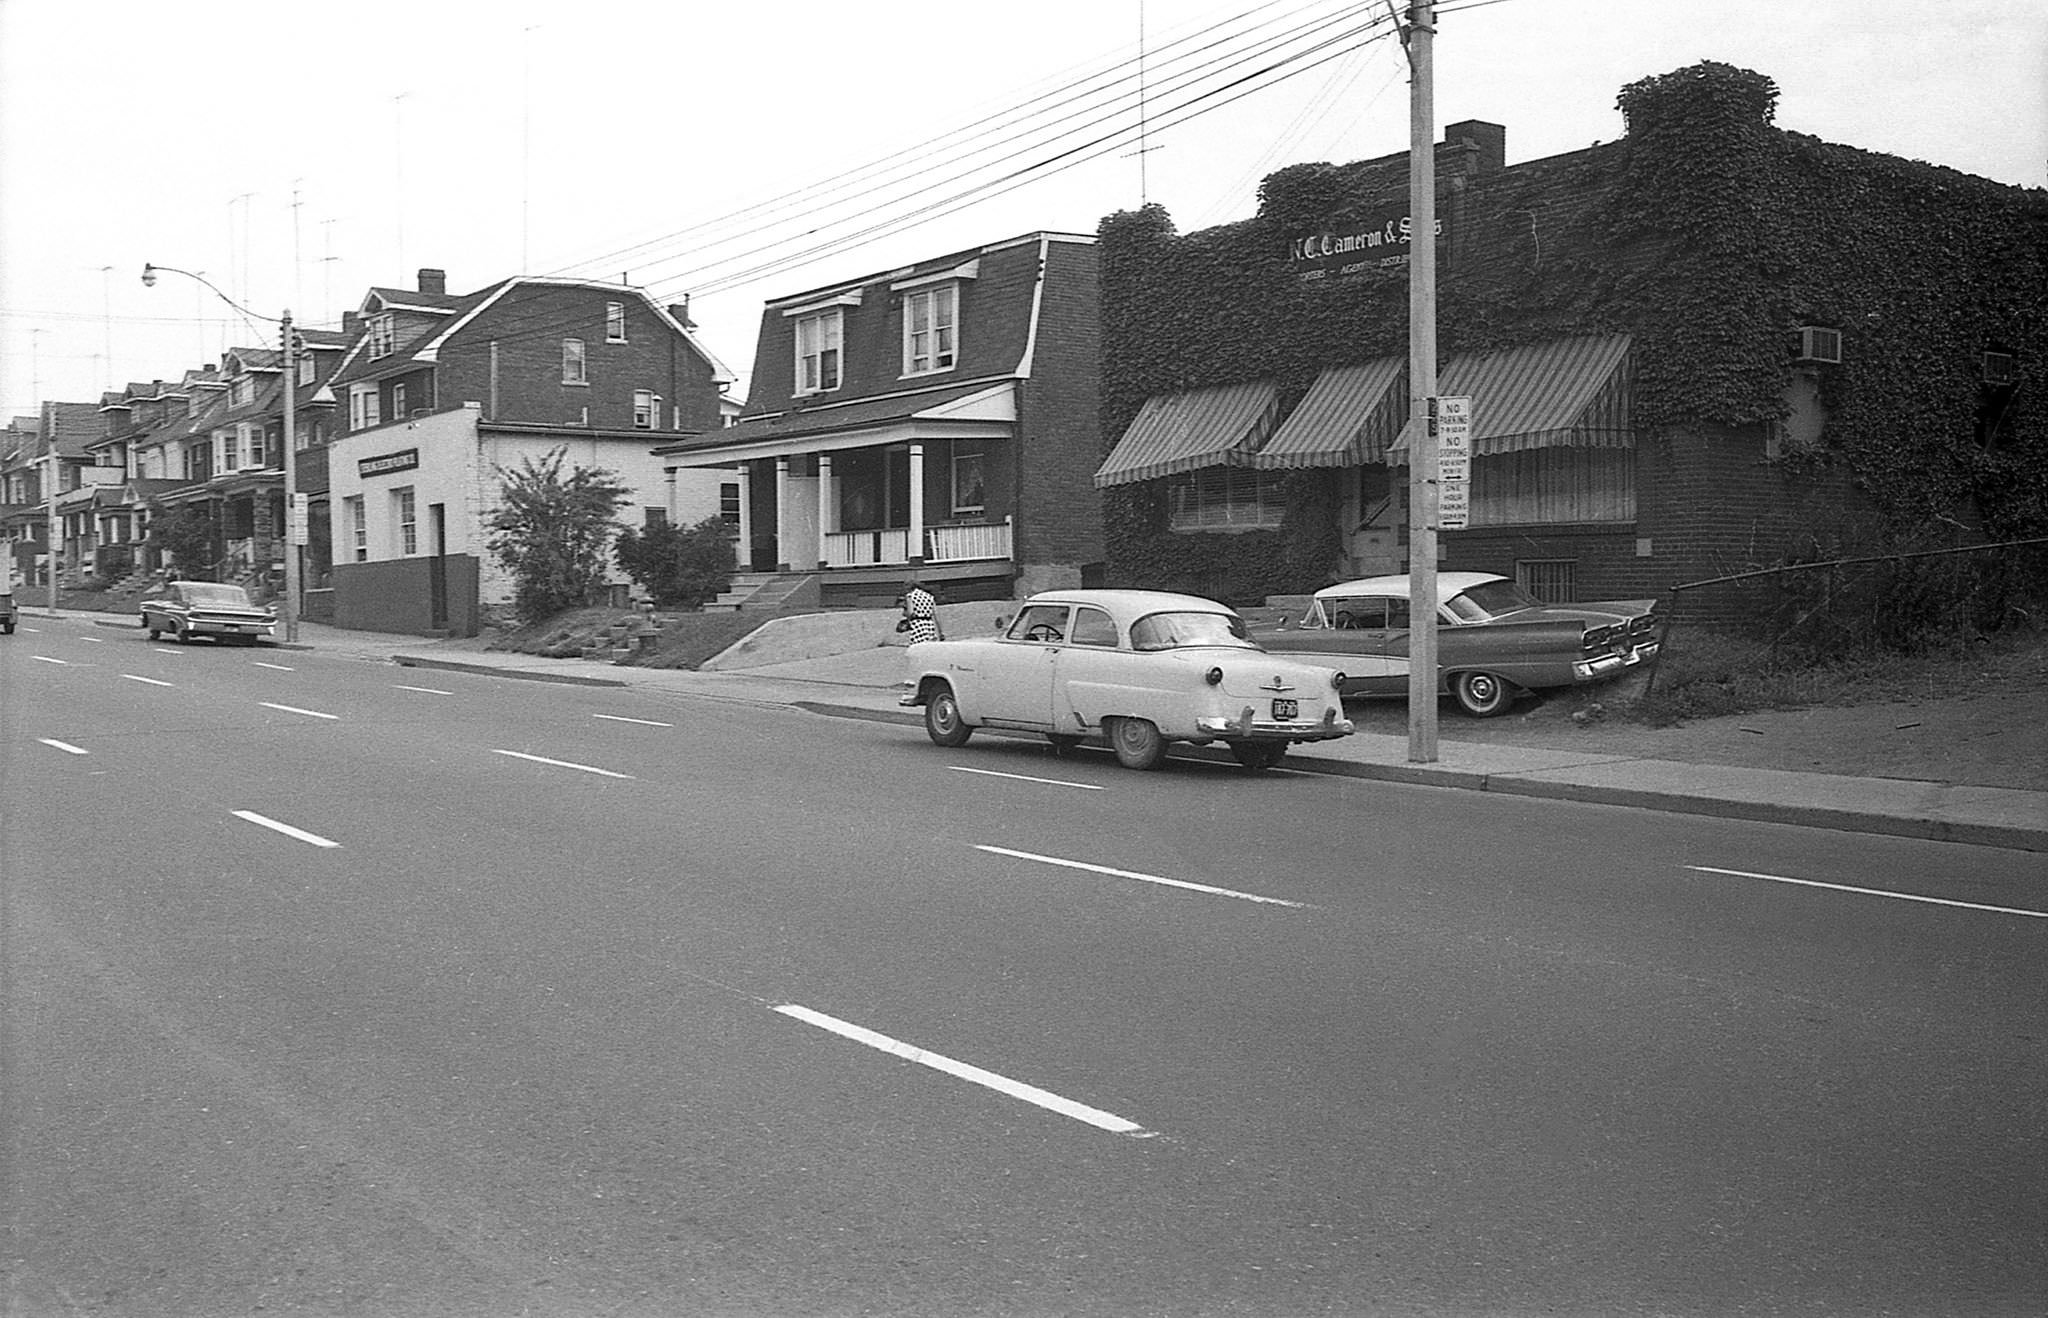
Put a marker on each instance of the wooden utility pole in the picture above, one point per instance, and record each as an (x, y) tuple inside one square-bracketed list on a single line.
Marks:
[(1422, 648)]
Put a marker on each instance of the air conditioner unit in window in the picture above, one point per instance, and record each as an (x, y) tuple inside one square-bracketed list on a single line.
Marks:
[(2000, 368), (1817, 343)]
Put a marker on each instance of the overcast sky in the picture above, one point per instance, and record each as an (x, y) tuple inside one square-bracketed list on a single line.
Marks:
[(296, 154)]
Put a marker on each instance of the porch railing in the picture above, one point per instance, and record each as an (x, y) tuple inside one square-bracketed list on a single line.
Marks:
[(867, 548), (942, 544), (954, 544)]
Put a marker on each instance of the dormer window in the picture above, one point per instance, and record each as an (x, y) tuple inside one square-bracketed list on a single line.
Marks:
[(309, 369), (818, 339), (242, 392), (383, 335), (930, 329)]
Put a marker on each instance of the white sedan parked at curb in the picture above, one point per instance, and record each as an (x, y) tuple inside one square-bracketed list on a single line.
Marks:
[(1141, 668)]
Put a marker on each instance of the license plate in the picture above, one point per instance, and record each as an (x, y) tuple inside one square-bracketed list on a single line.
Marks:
[(1286, 709)]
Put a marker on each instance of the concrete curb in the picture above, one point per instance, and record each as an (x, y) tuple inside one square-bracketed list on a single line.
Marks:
[(493, 670)]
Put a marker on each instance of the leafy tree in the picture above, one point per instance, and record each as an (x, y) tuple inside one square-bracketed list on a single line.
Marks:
[(679, 565), (551, 531), (185, 534)]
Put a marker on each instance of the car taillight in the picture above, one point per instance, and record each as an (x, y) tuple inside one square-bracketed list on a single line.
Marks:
[(1214, 677), (1336, 681)]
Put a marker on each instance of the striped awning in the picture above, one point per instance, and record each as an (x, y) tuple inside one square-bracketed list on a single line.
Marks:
[(1567, 393), (1181, 431), (1346, 419)]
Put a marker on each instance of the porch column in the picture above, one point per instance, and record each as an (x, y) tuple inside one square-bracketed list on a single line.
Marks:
[(825, 505), (782, 554), (916, 504), (746, 547)]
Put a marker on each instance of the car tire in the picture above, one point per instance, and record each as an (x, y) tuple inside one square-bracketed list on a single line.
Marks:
[(1063, 743), (155, 632), (1137, 743), (1256, 755), (942, 721), (1481, 694)]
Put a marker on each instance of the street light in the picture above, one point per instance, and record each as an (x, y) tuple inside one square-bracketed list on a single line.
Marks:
[(293, 530)]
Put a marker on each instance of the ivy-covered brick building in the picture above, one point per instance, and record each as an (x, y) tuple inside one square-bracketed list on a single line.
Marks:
[(1709, 346)]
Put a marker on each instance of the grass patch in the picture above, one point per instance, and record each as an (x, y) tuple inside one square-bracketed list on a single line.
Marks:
[(1707, 674), (686, 640)]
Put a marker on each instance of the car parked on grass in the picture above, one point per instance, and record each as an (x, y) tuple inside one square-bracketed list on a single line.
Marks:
[(1495, 641), (225, 612), (1141, 668)]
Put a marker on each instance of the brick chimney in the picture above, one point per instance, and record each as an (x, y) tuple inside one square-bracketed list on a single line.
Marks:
[(1486, 145), (351, 325), (433, 281), (681, 311)]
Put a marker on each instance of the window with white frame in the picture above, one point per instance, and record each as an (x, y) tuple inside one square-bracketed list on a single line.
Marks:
[(248, 445), (404, 509), (729, 505), (614, 322), (383, 335), (817, 351), (970, 493), (572, 362), (1549, 485), (309, 369), (358, 528), (223, 457), (1223, 499), (398, 401), (363, 406), (930, 316), (646, 409)]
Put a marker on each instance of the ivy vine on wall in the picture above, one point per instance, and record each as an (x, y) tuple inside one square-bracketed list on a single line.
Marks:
[(1706, 234)]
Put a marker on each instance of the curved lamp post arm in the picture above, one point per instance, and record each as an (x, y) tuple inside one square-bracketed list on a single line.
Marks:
[(288, 460)]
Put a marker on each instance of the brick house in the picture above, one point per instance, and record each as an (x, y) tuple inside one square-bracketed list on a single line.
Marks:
[(65, 430), (938, 418), (1708, 346), (438, 391)]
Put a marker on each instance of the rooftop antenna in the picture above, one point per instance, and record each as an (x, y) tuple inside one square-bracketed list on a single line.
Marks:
[(1144, 188)]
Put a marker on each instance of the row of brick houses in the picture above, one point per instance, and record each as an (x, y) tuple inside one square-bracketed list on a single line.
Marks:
[(401, 423), (1709, 345)]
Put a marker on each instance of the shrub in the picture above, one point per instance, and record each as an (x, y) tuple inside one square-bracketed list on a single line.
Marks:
[(679, 566), (551, 531)]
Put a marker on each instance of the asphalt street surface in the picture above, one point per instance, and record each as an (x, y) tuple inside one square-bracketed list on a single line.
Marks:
[(335, 987)]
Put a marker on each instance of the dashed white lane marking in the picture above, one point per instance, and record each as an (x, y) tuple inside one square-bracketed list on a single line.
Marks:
[(64, 746), (94, 640), (282, 668), (643, 722), (150, 680), (423, 690), (1870, 892), (165, 649), (1143, 878), (293, 709), (561, 764), (1002, 1084), (46, 659), (286, 829), (1026, 778)]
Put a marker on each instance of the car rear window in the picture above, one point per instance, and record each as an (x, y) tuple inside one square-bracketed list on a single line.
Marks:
[(233, 597), (1172, 631)]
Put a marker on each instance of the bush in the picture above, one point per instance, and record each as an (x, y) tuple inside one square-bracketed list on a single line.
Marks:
[(681, 567), (551, 531)]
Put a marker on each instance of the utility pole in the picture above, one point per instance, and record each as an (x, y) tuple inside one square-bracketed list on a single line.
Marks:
[(294, 516), (1422, 447)]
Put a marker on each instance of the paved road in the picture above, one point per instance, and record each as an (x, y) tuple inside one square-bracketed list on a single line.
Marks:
[(336, 987)]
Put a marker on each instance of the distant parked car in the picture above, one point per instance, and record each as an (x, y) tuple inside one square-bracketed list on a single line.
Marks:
[(1141, 668), (8, 613), (1495, 641), (225, 612)]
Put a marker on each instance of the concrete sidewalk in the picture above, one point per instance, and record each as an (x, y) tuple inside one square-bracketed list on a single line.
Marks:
[(863, 683)]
